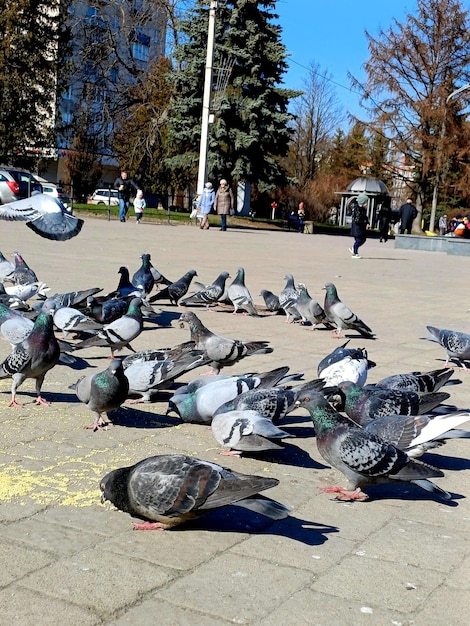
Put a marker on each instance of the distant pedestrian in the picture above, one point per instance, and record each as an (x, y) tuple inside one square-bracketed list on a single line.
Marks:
[(359, 223), (139, 205), (124, 185), (224, 203), (384, 222), (301, 218), (205, 204), (443, 225), (408, 213)]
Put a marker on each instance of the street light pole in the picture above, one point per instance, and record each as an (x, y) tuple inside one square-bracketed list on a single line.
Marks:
[(201, 176)]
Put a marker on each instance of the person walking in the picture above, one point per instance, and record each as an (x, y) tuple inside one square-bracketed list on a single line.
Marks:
[(139, 205), (443, 225), (124, 185), (408, 212), (205, 204), (223, 203), (359, 224), (301, 217), (384, 216)]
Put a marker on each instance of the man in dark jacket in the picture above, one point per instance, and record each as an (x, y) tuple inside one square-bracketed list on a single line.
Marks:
[(359, 223), (408, 212), (124, 185)]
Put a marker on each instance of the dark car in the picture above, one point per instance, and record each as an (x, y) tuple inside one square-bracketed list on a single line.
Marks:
[(16, 184)]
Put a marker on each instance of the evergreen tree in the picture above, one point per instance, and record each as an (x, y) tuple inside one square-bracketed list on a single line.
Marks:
[(33, 37), (251, 127)]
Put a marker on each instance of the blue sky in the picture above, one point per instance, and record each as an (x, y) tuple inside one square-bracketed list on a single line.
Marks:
[(331, 34)]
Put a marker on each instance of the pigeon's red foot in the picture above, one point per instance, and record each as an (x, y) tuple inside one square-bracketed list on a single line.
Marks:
[(148, 526), (41, 402), (344, 494), (230, 453), (15, 403)]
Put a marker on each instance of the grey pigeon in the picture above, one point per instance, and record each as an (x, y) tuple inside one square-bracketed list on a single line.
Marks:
[(143, 277), (176, 290), (288, 299), (245, 430), (417, 434), (272, 402), (103, 392), (363, 457), (16, 329), (27, 291), (343, 364), (239, 294), (341, 316), (125, 287), (456, 344), (120, 333), (271, 301), (209, 294), (74, 298), (46, 216), (12, 301), (6, 267), (363, 404), (106, 311), (222, 351), (33, 357), (22, 274), (421, 382), (158, 277), (170, 489), (70, 320), (310, 310)]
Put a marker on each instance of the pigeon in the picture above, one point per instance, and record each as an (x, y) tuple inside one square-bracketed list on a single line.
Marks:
[(239, 294), (146, 377), (73, 298), (158, 277), (6, 267), (170, 489), (26, 291), (120, 333), (67, 319), (421, 382), (106, 311), (222, 351), (16, 329), (103, 392), (22, 274), (288, 299), (310, 310), (363, 457), (12, 301), (209, 294), (125, 288), (271, 301), (35, 356), (143, 277), (341, 316), (246, 431), (272, 402), (457, 344), (45, 215), (417, 434), (344, 363), (363, 404), (176, 290)]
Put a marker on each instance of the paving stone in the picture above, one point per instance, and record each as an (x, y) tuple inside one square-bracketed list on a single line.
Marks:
[(168, 615), (18, 560)]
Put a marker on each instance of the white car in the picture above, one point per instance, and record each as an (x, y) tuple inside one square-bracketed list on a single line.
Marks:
[(51, 189), (104, 196)]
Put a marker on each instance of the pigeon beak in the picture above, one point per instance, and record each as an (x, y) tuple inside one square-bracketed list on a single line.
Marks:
[(181, 324)]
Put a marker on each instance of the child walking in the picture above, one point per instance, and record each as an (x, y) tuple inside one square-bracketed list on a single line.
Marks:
[(139, 205)]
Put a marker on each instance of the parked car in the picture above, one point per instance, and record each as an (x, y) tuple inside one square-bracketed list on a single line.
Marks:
[(51, 189), (16, 184), (104, 196)]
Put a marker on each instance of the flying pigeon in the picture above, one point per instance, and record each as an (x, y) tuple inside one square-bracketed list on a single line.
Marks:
[(209, 294), (239, 294), (6, 267), (246, 430), (70, 320), (341, 316), (170, 489), (221, 351), (271, 301), (457, 344), (120, 333), (46, 216), (35, 356), (421, 382), (310, 310), (103, 392), (22, 274), (176, 290), (363, 404), (345, 364), (417, 434), (363, 457), (288, 299), (143, 278)]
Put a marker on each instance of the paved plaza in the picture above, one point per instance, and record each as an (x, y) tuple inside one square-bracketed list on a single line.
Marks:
[(401, 558)]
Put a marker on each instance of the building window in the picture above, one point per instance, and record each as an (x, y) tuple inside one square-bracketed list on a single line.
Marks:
[(140, 51)]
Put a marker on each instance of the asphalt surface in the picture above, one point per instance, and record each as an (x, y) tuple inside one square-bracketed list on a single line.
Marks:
[(400, 558)]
